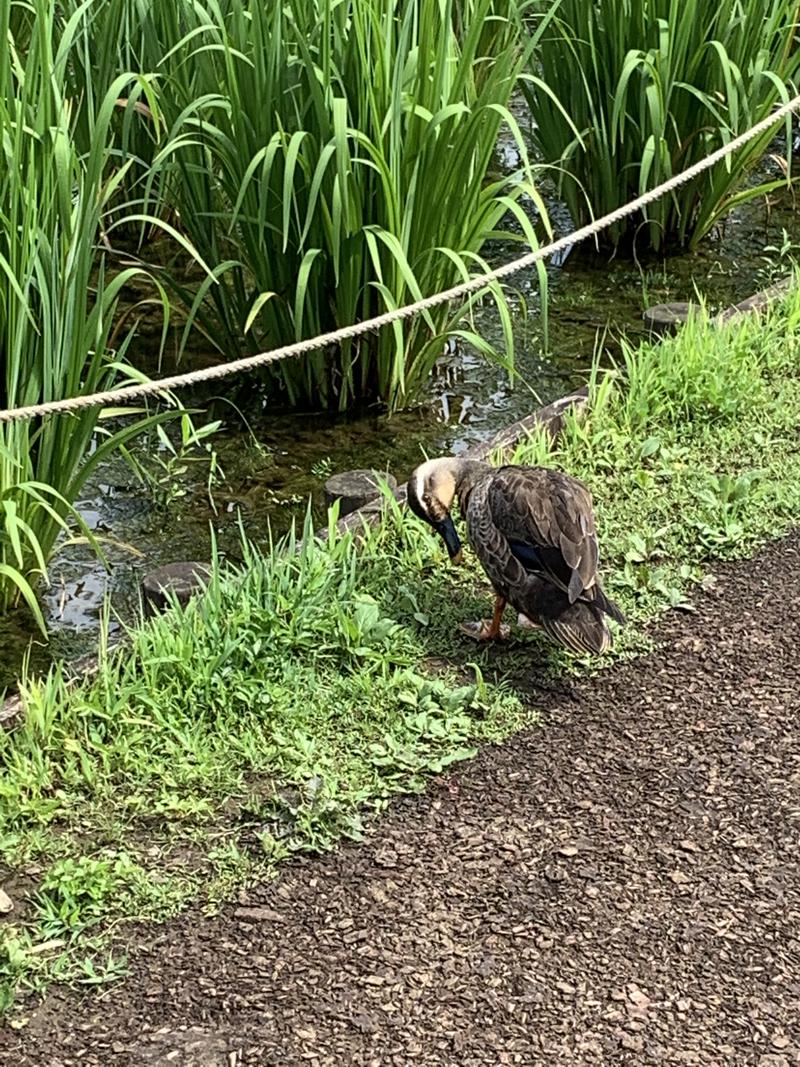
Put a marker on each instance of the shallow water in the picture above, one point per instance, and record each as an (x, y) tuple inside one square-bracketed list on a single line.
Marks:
[(272, 468)]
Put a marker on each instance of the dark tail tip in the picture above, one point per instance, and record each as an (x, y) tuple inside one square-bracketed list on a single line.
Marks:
[(608, 606), (616, 613)]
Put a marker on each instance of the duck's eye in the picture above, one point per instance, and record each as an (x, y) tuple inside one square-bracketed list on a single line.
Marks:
[(435, 511)]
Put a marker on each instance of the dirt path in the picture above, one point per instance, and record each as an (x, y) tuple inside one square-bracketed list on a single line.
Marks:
[(621, 887)]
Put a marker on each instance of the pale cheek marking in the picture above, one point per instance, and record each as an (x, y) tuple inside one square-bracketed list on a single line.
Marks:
[(420, 488)]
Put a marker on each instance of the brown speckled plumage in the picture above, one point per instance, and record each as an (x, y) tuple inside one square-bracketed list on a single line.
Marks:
[(533, 531)]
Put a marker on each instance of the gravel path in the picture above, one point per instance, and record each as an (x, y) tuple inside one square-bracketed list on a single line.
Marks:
[(621, 887)]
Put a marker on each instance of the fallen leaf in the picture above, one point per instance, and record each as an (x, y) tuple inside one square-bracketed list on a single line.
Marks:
[(46, 946), (257, 915)]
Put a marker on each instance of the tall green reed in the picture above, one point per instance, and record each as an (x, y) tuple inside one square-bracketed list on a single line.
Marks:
[(330, 158), (626, 93), (56, 305), (112, 37)]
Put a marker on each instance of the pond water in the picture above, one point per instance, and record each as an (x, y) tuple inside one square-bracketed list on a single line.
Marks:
[(272, 465)]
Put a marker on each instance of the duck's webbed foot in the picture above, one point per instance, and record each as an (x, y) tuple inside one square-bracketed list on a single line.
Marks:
[(526, 623), (488, 629), (483, 630)]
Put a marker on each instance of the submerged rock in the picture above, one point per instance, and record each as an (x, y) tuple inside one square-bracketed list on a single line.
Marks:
[(178, 580), (356, 489), (663, 319)]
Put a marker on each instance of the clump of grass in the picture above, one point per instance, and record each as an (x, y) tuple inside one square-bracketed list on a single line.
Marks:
[(317, 631), (626, 93), (705, 375), (108, 39)]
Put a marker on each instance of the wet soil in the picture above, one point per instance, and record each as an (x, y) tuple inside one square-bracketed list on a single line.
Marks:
[(621, 886)]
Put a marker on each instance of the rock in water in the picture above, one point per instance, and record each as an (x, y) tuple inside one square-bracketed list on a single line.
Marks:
[(356, 489), (662, 319), (181, 580)]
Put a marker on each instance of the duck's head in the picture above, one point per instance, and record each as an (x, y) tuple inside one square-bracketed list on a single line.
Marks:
[(430, 493)]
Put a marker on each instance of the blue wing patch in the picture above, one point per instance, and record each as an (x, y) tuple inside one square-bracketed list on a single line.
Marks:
[(527, 554)]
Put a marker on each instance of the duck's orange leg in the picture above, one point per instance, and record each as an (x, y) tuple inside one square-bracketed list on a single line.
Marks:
[(489, 629)]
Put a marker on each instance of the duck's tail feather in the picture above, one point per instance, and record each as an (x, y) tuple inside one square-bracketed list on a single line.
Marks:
[(581, 628)]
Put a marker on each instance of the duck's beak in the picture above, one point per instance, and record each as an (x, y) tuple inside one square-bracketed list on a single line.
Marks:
[(450, 537)]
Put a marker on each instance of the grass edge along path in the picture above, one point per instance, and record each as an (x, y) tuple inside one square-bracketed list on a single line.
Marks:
[(294, 699)]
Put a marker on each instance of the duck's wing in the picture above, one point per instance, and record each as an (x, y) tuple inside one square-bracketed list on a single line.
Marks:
[(548, 521)]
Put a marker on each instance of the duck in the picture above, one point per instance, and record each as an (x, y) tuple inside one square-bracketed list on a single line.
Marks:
[(533, 530)]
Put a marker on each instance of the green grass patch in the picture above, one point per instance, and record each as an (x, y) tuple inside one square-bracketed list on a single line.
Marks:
[(286, 706)]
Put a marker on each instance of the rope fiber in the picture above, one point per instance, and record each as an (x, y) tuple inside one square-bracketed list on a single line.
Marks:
[(128, 393)]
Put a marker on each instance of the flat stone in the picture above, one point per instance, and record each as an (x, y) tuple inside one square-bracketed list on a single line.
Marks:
[(664, 319), (178, 580), (356, 489), (6, 903)]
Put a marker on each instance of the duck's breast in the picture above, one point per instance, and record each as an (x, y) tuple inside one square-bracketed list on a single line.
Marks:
[(490, 545)]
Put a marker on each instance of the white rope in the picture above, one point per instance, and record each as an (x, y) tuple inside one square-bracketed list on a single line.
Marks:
[(224, 370)]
